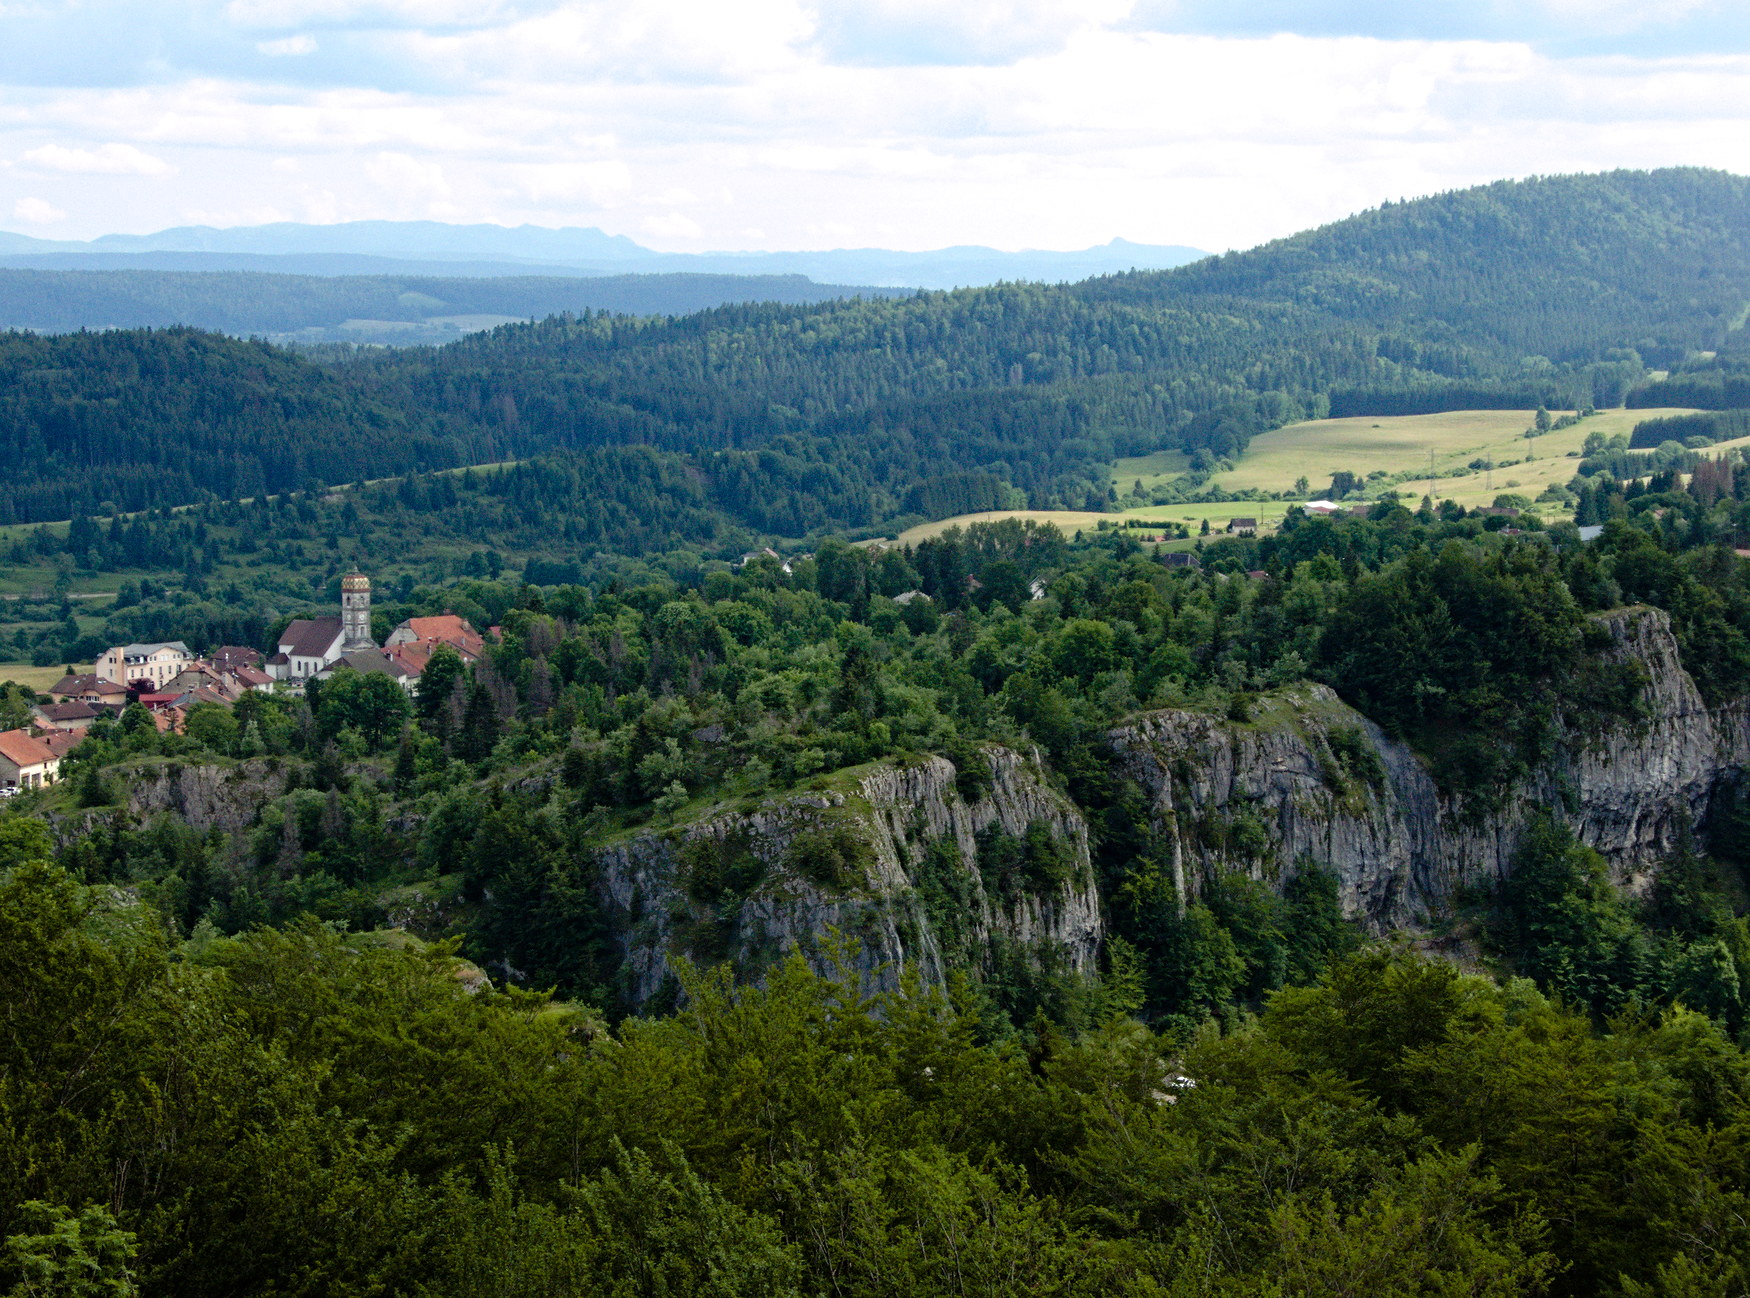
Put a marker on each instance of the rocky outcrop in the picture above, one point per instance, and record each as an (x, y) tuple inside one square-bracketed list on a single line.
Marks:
[(206, 795), (1309, 777), (888, 856)]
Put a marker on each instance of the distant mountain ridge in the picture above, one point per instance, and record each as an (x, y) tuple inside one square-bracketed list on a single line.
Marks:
[(486, 251)]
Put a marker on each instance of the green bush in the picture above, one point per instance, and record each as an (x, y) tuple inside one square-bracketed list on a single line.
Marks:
[(834, 856), (712, 867)]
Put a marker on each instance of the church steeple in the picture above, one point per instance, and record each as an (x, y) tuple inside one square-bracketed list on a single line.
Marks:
[(355, 612)]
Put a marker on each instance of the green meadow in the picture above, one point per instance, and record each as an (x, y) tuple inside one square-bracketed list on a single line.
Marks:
[(1440, 447)]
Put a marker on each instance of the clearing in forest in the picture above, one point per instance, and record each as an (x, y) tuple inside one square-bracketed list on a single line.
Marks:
[(1394, 445), (1389, 445)]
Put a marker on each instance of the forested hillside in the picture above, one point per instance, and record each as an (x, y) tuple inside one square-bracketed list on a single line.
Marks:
[(1548, 292), (315, 308), (342, 988)]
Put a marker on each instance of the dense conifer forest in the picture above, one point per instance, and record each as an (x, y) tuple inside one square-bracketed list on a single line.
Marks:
[(566, 973)]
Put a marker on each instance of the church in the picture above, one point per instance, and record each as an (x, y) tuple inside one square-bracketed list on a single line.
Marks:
[(313, 648)]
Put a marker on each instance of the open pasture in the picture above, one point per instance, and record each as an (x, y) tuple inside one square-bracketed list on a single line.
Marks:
[(1395, 445), (1403, 444), (36, 678), (1068, 521)]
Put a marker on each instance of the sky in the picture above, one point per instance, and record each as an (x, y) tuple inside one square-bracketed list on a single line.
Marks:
[(802, 124)]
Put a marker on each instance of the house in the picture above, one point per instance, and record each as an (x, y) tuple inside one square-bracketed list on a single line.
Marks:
[(26, 762), (74, 715), (377, 662), (1243, 526), (784, 565), (1180, 559), (199, 676), (156, 663), (61, 742), (412, 655), (907, 596), (252, 678), (87, 687), (448, 629), (228, 658), (1322, 508), (305, 647), (203, 694)]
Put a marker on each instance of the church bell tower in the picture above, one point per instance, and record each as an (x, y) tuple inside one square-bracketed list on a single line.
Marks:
[(355, 612)]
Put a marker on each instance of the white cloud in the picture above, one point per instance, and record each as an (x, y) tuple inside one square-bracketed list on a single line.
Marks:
[(105, 160), (672, 225), (409, 184), (37, 212), (911, 32), (600, 182), (372, 13), (1011, 122), (288, 46)]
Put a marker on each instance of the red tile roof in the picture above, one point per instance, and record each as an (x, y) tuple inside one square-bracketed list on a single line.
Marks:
[(21, 748), (450, 629), (62, 742)]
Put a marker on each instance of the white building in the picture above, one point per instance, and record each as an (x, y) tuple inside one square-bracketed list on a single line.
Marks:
[(306, 647), (153, 662)]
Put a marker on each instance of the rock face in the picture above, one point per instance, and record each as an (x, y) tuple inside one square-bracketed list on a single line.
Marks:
[(891, 859), (206, 796), (1311, 778)]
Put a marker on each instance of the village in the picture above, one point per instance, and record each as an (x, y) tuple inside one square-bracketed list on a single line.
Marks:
[(167, 679)]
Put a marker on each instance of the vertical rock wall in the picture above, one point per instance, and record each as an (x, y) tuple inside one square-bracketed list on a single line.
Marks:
[(899, 811), (1399, 848)]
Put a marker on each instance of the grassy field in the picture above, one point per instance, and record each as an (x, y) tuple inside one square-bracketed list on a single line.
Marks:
[(1388, 444), (1068, 520), (1404, 444), (36, 678)]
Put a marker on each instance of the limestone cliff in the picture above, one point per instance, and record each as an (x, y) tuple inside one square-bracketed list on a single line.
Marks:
[(207, 795), (890, 856), (1309, 777)]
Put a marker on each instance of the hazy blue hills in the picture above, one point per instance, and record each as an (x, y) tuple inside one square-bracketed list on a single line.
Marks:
[(493, 250)]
